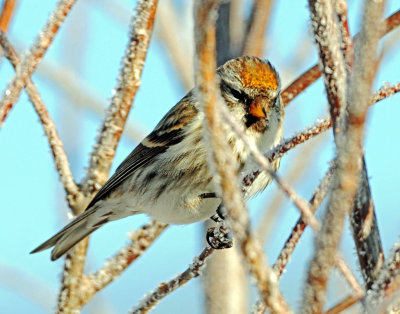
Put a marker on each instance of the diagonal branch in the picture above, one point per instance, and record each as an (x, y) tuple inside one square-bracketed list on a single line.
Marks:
[(127, 86), (256, 29), (113, 268), (311, 75), (33, 57), (61, 162), (7, 13), (165, 288), (102, 156)]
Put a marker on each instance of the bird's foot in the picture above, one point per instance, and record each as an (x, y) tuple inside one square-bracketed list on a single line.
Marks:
[(219, 238)]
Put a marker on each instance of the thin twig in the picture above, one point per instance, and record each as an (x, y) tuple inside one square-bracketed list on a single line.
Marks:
[(33, 57), (343, 305), (349, 276), (363, 217), (302, 136), (169, 32), (298, 230), (294, 173), (82, 94), (256, 29), (165, 288), (113, 268), (311, 75), (6, 14), (127, 86), (238, 218), (61, 162)]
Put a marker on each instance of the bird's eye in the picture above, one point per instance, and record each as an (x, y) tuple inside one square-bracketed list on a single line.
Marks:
[(240, 96)]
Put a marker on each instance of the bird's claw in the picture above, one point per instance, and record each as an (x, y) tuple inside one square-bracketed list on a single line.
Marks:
[(219, 238)]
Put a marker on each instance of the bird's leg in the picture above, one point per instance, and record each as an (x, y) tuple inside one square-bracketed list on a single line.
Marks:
[(219, 237)]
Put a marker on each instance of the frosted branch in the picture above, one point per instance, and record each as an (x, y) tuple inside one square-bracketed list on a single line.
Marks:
[(165, 288), (33, 57), (125, 91), (115, 266), (102, 156), (348, 134), (61, 162), (387, 284), (311, 75)]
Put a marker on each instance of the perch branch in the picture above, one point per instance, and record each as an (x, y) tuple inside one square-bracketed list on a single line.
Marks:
[(165, 288)]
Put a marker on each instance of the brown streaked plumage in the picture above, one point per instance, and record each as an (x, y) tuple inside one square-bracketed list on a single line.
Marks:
[(167, 176)]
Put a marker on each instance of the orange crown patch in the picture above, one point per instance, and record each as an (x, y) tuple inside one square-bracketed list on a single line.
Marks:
[(259, 75)]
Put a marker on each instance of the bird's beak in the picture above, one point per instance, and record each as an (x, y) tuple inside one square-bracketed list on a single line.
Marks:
[(259, 108)]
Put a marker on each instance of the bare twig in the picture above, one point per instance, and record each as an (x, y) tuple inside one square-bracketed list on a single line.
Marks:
[(33, 57), (343, 305), (294, 173), (165, 288), (127, 86), (310, 132), (349, 276), (6, 14), (312, 74), (82, 94), (238, 218), (290, 245), (61, 162), (256, 29), (168, 31), (113, 268)]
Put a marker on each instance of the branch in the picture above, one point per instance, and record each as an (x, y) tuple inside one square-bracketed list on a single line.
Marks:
[(311, 75), (102, 156), (298, 230), (33, 57), (127, 86), (238, 218), (113, 268), (348, 134), (6, 14), (387, 283), (73, 194), (165, 288), (343, 305), (256, 29)]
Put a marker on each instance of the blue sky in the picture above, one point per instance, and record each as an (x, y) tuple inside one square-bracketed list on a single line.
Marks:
[(91, 44)]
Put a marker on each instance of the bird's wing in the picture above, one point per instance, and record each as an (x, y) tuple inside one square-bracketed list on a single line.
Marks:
[(169, 131)]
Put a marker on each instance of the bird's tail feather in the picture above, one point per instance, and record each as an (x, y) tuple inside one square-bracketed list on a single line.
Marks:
[(74, 232)]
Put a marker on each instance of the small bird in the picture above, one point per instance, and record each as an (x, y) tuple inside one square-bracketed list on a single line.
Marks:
[(166, 176)]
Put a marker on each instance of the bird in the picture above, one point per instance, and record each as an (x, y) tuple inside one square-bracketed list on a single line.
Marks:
[(167, 176)]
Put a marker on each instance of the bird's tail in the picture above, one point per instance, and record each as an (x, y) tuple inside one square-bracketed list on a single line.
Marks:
[(75, 231)]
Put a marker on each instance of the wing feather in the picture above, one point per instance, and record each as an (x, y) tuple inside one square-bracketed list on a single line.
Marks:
[(169, 132)]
